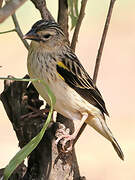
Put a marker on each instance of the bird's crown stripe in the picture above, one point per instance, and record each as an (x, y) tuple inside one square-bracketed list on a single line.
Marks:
[(41, 25)]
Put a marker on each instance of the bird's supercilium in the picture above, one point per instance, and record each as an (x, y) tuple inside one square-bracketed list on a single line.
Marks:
[(51, 59)]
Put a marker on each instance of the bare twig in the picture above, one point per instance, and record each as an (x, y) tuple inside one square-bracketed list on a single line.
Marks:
[(41, 6), (99, 55), (63, 16), (19, 32), (9, 8), (100, 50), (78, 25), (12, 30)]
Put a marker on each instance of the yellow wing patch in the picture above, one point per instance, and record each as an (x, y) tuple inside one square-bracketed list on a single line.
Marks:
[(61, 77), (61, 64)]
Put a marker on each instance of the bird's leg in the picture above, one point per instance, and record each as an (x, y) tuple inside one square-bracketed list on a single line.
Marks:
[(71, 137)]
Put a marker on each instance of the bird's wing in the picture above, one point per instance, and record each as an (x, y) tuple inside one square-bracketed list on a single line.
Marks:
[(72, 72)]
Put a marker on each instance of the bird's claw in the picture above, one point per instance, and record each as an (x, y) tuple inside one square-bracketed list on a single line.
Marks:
[(70, 147), (66, 138)]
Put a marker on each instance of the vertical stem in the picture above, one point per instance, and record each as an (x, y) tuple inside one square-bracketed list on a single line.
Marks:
[(100, 50), (78, 25), (63, 16)]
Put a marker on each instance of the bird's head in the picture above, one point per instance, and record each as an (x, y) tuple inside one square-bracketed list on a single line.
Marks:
[(47, 34)]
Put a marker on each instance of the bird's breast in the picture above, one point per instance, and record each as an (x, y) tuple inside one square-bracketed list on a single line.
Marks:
[(68, 102)]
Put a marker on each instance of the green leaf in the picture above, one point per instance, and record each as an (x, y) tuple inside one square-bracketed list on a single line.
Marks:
[(28, 148), (18, 79), (73, 12), (76, 7)]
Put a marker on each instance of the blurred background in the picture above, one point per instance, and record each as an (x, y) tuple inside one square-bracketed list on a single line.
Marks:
[(96, 157)]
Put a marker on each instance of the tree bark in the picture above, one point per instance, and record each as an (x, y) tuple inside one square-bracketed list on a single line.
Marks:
[(46, 162)]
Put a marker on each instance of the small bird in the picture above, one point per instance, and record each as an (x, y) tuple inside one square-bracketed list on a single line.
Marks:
[(51, 59)]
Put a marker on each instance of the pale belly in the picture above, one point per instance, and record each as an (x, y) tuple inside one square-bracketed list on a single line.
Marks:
[(68, 102)]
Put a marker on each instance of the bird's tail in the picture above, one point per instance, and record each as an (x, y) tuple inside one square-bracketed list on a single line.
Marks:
[(101, 126)]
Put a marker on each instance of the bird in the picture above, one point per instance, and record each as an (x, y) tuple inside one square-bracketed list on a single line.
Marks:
[(51, 59)]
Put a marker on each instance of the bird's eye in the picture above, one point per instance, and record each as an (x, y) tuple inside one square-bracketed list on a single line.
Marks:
[(46, 36)]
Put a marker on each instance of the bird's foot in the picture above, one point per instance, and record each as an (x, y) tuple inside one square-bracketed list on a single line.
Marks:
[(65, 139)]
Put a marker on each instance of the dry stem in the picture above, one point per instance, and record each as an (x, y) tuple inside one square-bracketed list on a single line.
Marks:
[(63, 16), (4, 32), (41, 6), (18, 30), (100, 50), (78, 25)]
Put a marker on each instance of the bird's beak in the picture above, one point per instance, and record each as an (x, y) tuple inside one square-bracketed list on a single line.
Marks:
[(31, 35)]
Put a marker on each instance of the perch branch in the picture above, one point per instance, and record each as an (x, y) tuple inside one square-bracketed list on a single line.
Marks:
[(63, 16), (18, 30), (99, 55), (78, 25), (9, 8)]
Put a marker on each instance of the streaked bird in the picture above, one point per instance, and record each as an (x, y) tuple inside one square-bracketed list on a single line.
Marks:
[(51, 59)]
